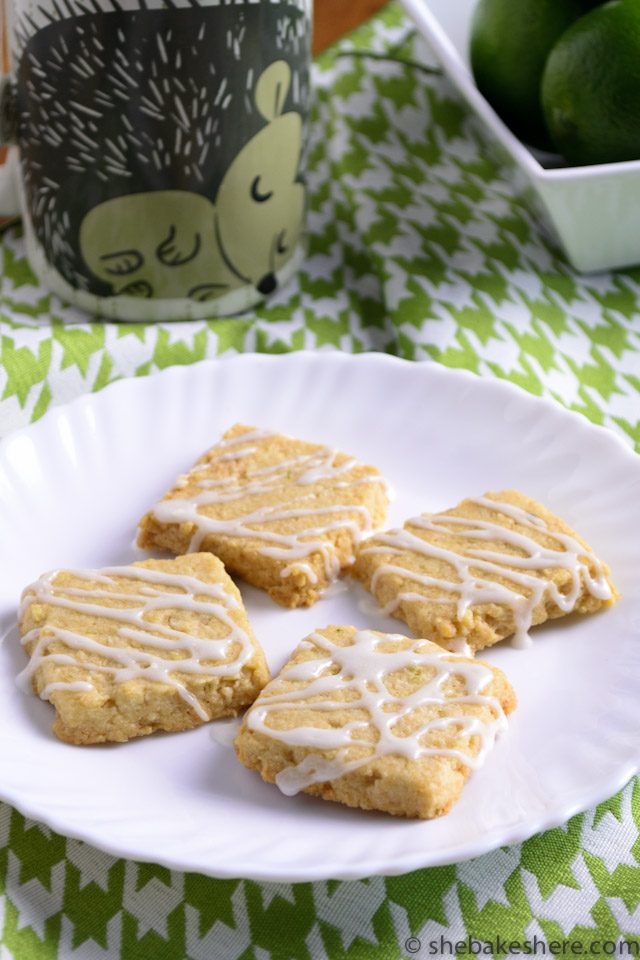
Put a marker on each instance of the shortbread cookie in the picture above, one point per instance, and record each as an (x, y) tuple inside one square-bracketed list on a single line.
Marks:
[(376, 721), (283, 514), (487, 569), (124, 651)]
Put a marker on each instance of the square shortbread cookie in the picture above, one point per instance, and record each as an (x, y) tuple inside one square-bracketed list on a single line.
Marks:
[(489, 568), (123, 651), (376, 721), (283, 514)]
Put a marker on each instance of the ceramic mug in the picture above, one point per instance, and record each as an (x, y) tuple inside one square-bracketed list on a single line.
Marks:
[(158, 150)]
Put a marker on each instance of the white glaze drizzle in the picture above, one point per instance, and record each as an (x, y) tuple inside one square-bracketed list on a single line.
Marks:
[(472, 588), (130, 623), (363, 670), (304, 471), (460, 646)]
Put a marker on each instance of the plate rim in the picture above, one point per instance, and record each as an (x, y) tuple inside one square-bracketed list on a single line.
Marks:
[(333, 355), (486, 842)]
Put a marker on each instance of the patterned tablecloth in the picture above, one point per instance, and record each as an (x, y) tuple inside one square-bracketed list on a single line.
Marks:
[(418, 247)]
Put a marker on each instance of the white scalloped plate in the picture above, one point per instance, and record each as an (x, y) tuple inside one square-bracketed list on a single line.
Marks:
[(73, 485)]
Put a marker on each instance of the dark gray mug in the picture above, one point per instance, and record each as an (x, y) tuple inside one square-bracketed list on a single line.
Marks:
[(158, 160)]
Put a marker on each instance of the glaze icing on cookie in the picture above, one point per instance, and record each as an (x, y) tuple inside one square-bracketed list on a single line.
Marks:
[(174, 627), (355, 708), (272, 508), (501, 557)]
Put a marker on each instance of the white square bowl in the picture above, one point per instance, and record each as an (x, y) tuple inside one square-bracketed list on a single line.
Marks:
[(593, 212)]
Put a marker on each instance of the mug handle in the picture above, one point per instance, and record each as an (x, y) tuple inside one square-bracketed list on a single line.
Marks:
[(9, 201)]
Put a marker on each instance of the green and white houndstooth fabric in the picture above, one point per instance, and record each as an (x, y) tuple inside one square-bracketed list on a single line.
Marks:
[(418, 247)]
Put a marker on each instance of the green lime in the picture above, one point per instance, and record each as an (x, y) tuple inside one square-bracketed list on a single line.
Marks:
[(510, 43), (591, 86)]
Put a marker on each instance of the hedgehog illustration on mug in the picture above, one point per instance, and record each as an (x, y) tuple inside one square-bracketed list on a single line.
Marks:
[(151, 173), (171, 243)]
